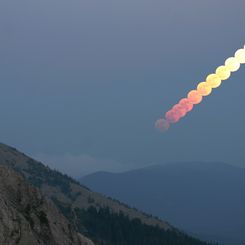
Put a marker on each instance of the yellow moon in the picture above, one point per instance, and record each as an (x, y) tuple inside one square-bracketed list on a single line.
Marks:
[(213, 80), (223, 72), (232, 64), (204, 89)]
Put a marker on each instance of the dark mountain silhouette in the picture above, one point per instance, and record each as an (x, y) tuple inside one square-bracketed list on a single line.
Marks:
[(202, 198), (103, 220)]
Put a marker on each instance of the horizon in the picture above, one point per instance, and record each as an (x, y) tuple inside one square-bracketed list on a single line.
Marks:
[(84, 82), (94, 151)]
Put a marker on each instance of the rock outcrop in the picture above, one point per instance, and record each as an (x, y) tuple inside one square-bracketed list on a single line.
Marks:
[(27, 218)]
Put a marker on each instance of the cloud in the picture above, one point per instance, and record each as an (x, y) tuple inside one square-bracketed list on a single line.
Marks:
[(79, 165)]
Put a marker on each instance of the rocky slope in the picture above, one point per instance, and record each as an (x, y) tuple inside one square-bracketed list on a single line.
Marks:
[(27, 218), (64, 190), (103, 220)]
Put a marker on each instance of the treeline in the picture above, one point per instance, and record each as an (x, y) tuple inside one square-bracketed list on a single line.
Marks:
[(108, 228), (100, 224)]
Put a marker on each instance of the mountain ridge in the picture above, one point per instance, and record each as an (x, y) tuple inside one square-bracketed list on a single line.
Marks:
[(188, 194), (104, 220), (24, 164)]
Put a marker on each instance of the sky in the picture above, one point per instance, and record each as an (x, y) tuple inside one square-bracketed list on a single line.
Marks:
[(83, 81)]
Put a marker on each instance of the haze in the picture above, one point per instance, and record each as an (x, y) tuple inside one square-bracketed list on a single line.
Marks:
[(87, 79)]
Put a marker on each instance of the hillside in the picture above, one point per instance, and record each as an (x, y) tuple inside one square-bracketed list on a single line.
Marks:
[(27, 218), (63, 189), (105, 221), (203, 198)]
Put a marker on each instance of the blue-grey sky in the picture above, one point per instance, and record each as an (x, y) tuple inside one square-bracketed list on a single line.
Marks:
[(83, 81)]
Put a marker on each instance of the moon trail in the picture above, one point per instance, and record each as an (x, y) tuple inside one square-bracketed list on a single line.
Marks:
[(203, 89)]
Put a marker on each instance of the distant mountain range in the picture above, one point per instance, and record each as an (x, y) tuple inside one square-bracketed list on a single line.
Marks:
[(207, 199), (50, 203)]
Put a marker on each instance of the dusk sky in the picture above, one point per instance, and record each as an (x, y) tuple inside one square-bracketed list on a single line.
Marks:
[(83, 81)]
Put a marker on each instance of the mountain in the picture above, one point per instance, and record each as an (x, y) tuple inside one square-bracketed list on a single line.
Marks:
[(103, 220), (27, 218), (207, 199)]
